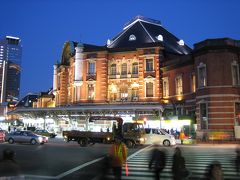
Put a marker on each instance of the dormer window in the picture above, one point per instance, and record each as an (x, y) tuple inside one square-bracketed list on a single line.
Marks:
[(108, 42), (160, 37), (181, 42), (132, 37)]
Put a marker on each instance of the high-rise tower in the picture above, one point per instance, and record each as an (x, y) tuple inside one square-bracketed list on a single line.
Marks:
[(10, 68)]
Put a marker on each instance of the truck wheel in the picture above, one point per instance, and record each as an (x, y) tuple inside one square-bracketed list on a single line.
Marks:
[(82, 142), (130, 144)]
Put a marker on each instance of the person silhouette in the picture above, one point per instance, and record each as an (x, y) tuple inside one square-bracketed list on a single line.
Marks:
[(158, 159), (214, 171), (178, 168), (8, 165)]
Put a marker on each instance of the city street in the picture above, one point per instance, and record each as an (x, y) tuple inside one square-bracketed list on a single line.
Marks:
[(60, 160)]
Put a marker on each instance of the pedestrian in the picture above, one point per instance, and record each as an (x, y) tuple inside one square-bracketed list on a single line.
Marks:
[(182, 136), (214, 171), (8, 165), (158, 160), (118, 156), (179, 169), (237, 161)]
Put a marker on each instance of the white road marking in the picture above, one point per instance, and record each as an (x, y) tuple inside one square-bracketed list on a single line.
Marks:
[(39, 177), (78, 168)]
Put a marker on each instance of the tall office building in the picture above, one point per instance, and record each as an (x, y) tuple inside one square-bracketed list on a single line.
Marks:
[(10, 68)]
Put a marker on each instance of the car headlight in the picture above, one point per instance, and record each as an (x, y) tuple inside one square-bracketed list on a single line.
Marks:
[(142, 139), (40, 139), (65, 137)]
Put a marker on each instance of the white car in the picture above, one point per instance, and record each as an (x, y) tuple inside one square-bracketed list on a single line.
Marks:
[(159, 136)]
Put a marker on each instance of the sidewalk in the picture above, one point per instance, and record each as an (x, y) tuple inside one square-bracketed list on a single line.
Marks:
[(197, 142)]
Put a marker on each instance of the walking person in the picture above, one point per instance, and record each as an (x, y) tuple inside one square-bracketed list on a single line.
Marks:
[(118, 155), (178, 168), (182, 136), (158, 160)]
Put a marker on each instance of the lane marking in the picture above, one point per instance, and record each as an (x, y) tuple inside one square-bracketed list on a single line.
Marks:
[(39, 177), (78, 168)]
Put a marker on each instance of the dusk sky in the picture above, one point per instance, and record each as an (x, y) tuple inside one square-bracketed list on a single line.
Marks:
[(44, 25)]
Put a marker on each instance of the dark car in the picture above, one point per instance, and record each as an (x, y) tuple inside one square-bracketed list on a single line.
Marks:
[(45, 133)]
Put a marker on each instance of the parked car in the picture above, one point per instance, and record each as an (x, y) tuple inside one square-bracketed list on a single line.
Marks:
[(45, 133), (159, 136), (25, 137)]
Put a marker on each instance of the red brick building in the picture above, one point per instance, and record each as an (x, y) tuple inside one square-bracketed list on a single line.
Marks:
[(145, 64)]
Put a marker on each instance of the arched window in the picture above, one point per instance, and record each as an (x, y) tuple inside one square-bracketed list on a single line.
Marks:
[(113, 69), (135, 68), (132, 37)]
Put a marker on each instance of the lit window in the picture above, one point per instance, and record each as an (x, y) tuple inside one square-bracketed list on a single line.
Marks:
[(165, 87), (193, 83), (149, 89), (149, 64), (113, 69), (124, 69), (124, 93), (203, 116), (235, 73), (91, 68), (90, 91), (179, 87), (132, 37), (135, 93), (135, 68), (202, 76)]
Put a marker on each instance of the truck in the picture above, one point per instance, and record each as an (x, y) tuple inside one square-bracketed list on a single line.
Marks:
[(132, 133)]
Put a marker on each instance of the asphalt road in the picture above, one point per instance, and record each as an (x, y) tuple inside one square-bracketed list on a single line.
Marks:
[(59, 160)]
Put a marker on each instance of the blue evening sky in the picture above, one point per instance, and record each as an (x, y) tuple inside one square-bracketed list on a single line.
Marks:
[(44, 26)]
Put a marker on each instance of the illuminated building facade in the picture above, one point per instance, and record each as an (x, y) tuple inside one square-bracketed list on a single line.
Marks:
[(10, 68), (126, 70), (145, 64)]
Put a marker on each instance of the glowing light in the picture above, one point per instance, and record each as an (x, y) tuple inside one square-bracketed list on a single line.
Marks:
[(135, 85), (160, 37), (166, 101), (181, 42), (114, 88), (179, 98)]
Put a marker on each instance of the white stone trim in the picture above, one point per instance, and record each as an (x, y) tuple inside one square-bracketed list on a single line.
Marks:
[(217, 95), (147, 31)]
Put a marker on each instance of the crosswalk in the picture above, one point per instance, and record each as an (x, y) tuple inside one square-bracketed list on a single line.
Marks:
[(197, 159)]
